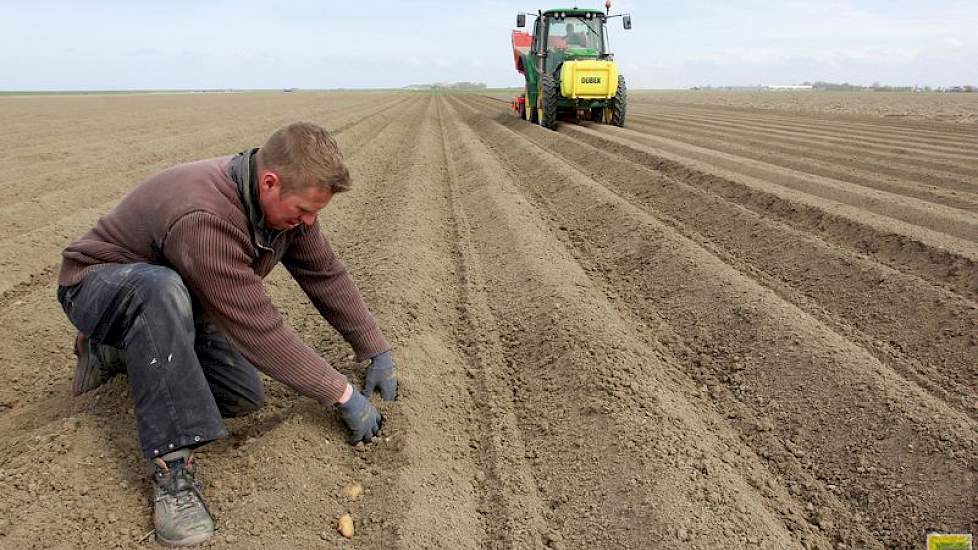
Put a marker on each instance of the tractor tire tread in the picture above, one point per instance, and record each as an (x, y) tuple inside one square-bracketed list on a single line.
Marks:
[(550, 89), (620, 103)]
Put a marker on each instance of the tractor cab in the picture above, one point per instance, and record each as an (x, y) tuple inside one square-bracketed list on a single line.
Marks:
[(569, 36), (569, 67)]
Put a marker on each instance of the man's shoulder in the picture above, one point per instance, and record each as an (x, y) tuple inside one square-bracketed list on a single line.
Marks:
[(207, 169), (201, 185)]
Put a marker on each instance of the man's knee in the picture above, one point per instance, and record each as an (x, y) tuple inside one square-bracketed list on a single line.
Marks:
[(163, 288)]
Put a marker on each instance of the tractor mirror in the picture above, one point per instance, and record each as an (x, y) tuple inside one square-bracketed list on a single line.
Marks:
[(521, 20), (626, 21)]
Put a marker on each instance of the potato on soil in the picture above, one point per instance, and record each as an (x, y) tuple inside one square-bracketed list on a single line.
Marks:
[(345, 526), (352, 491)]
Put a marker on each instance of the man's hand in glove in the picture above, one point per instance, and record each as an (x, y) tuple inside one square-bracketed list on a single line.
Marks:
[(380, 375), (361, 418)]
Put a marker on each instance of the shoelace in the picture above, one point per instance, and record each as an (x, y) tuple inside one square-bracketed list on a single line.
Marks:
[(187, 497)]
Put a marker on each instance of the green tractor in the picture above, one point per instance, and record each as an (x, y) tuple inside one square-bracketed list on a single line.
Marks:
[(569, 68)]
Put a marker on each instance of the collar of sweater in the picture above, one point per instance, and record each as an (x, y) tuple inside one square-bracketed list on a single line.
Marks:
[(242, 170)]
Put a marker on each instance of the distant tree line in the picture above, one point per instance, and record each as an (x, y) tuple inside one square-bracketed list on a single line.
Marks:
[(877, 87), (846, 87)]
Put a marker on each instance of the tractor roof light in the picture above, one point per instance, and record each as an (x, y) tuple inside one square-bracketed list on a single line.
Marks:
[(607, 6)]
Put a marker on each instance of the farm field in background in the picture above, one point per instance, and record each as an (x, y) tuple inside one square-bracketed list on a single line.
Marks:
[(960, 108), (744, 320)]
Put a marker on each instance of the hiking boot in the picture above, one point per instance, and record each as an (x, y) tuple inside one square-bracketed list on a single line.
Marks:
[(97, 363), (180, 514)]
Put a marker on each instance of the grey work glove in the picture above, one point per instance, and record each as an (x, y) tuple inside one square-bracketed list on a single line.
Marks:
[(381, 376), (361, 418)]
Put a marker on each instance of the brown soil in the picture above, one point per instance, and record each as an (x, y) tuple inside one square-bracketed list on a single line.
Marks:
[(714, 328)]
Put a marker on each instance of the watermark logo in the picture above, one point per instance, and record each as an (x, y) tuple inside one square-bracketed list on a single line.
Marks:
[(944, 541)]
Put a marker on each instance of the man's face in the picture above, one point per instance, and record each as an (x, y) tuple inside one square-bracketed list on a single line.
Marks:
[(284, 211)]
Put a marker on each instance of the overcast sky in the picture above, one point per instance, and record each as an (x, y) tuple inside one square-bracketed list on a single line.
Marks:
[(181, 44)]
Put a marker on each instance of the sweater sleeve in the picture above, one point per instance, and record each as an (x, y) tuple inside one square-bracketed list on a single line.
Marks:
[(324, 278), (214, 258)]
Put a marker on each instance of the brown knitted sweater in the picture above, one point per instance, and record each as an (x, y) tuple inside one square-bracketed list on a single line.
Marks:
[(196, 220)]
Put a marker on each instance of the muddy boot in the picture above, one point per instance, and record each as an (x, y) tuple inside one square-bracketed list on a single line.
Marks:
[(180, 514), (97, 363)]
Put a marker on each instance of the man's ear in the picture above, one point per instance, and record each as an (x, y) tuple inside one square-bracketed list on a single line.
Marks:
[(268, 180)]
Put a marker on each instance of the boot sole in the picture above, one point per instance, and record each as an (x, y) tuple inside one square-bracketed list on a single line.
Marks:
[(87, 374), (186, 541)]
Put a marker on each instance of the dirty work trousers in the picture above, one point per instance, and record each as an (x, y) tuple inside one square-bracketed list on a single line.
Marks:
[(183, 373)]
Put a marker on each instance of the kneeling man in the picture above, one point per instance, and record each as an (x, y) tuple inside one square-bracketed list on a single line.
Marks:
[(167, 287)]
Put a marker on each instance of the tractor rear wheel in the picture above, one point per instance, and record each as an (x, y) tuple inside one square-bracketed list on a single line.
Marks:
[(620, 103), (549, 95)]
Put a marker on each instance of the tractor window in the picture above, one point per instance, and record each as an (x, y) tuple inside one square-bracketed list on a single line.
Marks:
[(575, 33)]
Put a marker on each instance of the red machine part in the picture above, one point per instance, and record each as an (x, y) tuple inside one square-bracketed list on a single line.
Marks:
[(519, 105), (521, 45)]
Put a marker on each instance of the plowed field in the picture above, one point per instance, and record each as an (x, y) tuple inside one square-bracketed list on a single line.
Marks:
[(714, 328)]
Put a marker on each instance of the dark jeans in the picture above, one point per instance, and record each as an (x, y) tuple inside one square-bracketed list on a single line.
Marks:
[(183, 373)]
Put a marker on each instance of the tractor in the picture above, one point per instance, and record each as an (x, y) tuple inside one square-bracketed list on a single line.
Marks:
[(569, 68)]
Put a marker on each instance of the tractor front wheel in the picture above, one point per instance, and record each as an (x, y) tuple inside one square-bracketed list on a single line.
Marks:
[(620, 103), (549, 95)]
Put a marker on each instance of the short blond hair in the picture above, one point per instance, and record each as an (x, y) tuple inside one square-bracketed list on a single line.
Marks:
[(304, 154)]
